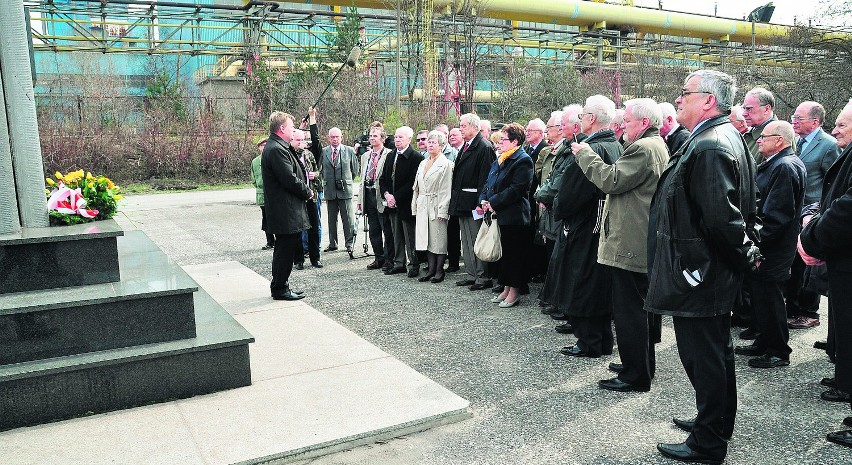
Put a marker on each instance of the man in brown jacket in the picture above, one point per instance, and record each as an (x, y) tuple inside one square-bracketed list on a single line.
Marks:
[(629, 183)]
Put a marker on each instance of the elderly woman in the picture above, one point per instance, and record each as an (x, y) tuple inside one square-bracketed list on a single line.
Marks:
[(431, 203), (506, 194)]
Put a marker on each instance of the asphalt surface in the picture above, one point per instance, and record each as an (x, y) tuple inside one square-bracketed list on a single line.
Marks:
[(531, 405)]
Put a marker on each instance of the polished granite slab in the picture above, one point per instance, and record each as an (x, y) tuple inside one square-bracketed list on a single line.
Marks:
[(59, 256), (94, 230)]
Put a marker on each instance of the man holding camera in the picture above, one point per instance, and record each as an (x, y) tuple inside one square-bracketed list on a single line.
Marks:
[(339, 166)]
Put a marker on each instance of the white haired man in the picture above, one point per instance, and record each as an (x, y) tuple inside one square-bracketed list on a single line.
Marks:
[(339, 167), (673, 133)]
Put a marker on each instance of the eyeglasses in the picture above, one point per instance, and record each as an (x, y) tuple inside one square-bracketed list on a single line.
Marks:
[(584, 114), (504, 139), (796, 119), (684, 92), (764, 136), (554, 126)]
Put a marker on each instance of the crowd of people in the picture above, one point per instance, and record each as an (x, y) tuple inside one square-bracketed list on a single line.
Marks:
[(706, 211)]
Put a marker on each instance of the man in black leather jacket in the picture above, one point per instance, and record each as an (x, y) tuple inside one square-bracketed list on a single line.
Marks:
[(698, 252)]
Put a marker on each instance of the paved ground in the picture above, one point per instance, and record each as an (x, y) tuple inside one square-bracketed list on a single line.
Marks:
[(531, 405)]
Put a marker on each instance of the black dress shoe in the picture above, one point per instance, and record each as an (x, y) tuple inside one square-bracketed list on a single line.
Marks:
[(749, 350), (683, 453), (497, 289), (453, 268), (268, 247), (480, 286), (289, 295), (616, 367), (685, 425), (576, 351), (844, 438), (438, 279), (299, 266), (616, 384), (374, 266), (558, 316), (413, 273), (847, 421), (768, 361), (329, 249), (396, 270), (317, 264), (465, 282), (828, 382), (748, 334), (564, 328), (423, 279), (833, 395), (821, 345)]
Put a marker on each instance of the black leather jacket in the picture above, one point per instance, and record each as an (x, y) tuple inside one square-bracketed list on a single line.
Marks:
[(703, 224)]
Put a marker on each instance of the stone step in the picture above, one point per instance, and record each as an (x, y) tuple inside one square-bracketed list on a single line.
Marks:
[(59, 256), (151, 303), (40, 391)]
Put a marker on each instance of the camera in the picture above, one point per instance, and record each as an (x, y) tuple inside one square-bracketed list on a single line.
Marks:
[(340, 184), (363, 142)]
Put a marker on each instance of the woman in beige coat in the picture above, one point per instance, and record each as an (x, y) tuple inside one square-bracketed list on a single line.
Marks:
[(430, 205)]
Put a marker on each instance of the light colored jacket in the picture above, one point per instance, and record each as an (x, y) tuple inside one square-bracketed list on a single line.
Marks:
[(365, 165), (630, 184), (257, 180)]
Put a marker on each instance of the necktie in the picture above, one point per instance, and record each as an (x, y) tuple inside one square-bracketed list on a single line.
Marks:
[(464, 148), (333, 155), (800, 145)]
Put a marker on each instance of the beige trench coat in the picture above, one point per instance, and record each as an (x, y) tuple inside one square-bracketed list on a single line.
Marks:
[(432, 201)]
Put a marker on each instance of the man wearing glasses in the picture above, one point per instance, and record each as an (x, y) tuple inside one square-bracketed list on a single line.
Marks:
[(781, 182), (818, 151), (698, 252)]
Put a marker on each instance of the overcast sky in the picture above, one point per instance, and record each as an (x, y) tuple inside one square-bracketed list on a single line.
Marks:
[(785, 10)]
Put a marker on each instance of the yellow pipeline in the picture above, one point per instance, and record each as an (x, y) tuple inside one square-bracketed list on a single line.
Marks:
[(587, 14)]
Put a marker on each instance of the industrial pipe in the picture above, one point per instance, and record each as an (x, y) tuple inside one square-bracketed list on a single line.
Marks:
[(21, 114)]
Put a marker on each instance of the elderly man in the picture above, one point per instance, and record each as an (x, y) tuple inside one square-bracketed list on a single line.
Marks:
[(456, 139), (738, 120), (543, 169), (545, 195), (306, 157), (699, 250), (285, 189), (818, 151), (580, 285), (421, 141), (826, 236), (339, 167), (449, 151), (469, 176), (485, 129), (673, 133), (758, 111), (629, 182), (371, 200), (616, 126), (397, 184), (781, 182), (534, 144)]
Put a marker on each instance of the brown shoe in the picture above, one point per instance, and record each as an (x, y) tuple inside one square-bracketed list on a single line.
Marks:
[(802, 322), (374, 266)]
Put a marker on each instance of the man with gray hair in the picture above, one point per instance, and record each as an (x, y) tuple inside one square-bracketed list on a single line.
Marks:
[(673, 133), (758, 111), (738, 120), (545, 195), (469, 175), (397, 184), (534, 145), (339, 167), (615, 124), (629, 182), (781, 182), (701, 227), (818, 151)]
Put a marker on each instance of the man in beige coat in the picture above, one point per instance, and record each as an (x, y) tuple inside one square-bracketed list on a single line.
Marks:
[(630, 184), (372, 164)]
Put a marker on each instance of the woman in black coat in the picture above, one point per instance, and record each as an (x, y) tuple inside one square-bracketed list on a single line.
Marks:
[(506, 193)]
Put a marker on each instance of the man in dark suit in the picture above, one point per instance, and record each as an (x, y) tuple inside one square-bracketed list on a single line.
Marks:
[(285, 188), (707, 200), (818, 151), (469, 175), (827, 237), (535, 142), (339, 167), (781, 181), (673, 133), (397, 183)]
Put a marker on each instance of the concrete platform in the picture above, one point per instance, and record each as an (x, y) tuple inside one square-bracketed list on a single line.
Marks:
[(316, 388)]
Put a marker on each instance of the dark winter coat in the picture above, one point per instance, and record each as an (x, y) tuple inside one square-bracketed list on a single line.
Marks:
[(284, 187), (469, 175), (399, 181), (829, 234), (508, 188)]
